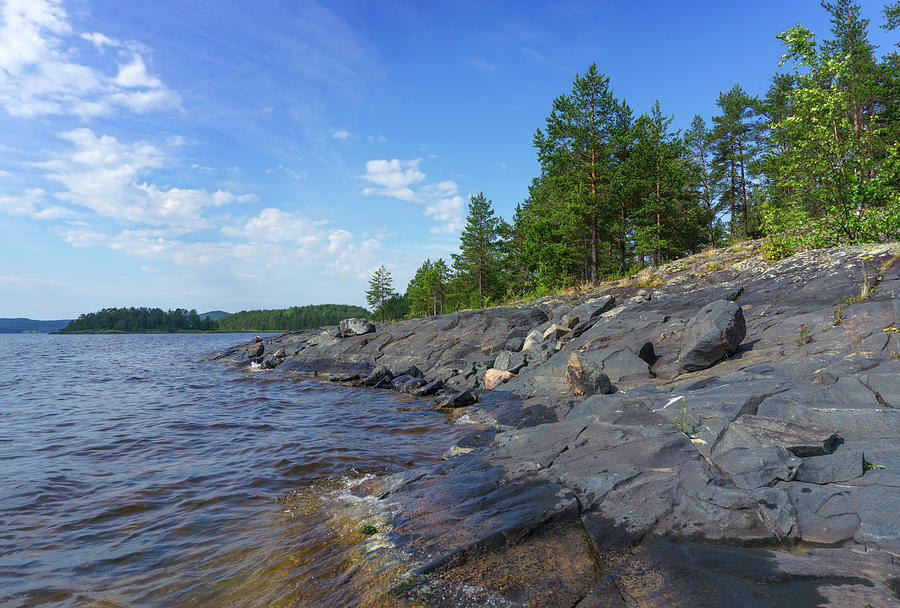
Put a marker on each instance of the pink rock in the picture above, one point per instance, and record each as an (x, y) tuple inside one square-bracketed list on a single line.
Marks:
[(494, 378)]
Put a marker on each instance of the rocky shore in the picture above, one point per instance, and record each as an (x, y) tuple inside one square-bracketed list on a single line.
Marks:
[(719, 431)]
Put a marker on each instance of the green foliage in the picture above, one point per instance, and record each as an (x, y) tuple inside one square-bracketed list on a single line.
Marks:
[(682, 420), (369, 529), (381, 290), (291, 319), (140, 320), (803, 337), (427, 291), (477, 265)]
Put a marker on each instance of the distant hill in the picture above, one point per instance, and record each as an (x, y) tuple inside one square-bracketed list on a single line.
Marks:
[(215, 315), (23, 326)]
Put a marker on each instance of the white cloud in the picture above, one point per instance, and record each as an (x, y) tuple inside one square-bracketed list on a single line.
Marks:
[(267, 247), (41, 72), (277, 226), (377, 139), (447, 211), (441, 199), (342, 135), (111, 179), (394, 177), (134, 74)]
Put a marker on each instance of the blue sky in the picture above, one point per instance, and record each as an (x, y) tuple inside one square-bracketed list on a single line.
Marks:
[(224, 154)]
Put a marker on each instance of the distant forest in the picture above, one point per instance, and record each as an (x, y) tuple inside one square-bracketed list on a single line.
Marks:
[(812, 162), (296, 317), (181, 320)]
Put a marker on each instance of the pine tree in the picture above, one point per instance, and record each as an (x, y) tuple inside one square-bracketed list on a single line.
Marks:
[(478, 246), (575, 155), (381, 289)]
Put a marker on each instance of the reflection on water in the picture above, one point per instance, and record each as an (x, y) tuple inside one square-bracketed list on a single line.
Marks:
[(134, 474)]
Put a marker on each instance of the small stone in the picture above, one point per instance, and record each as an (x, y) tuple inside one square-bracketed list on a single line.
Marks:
[(460, 399)]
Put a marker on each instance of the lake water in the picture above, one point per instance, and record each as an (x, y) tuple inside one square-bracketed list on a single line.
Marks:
[(132, 473)]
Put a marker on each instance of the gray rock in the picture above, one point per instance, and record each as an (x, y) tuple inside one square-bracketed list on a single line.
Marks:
[(840, 466), (377, 375), (355, 327), (460, 399), (682, 575), (803, 440), (591, 309), (507, 361), (255, 349), (852, 424), (569, 320), (534, 338), (429, 389), (413, 384), (758, 467), (412, 371), (619, 364), (554, 332), (515, 339), (714, 333), (585, 377)]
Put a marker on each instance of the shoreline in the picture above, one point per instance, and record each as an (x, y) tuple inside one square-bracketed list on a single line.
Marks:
[(688, 470)]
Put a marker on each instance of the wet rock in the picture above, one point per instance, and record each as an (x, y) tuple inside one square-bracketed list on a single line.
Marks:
[(355, 327), (271, 362), (585, 377), (495, 377), (255, 349), (714, 333), (429, 389), (460, 399), (379, 374), (413, 384), (840, 466)]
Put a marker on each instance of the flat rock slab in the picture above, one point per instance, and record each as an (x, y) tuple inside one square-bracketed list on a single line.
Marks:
[(758, 467), (803, 440), (840, 466), (851, 424), (687, 575)]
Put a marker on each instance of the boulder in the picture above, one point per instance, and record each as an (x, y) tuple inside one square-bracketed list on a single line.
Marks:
[(555, 332), (355, 327), (507, 361), (413, 384), (591, 309), (569, 320), (412, 371), (495, 377), (515, 339), (427, 390), (533, 339), (585, 377), (713, 334), (255, 349), (379, 374), (460, 399)]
